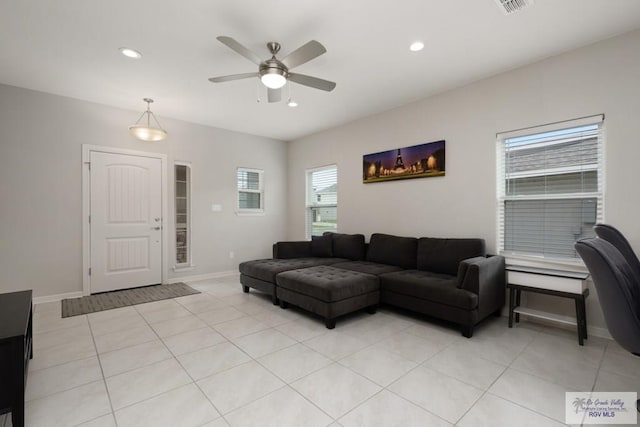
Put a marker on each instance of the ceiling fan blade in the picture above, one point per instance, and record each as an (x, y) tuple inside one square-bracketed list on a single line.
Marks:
[(274, 95), (237, 47), (304, 53), (313, 82), (222, 79)]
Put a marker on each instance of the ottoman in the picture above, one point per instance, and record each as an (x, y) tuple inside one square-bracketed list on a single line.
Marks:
[(261, 274), (328, 291)]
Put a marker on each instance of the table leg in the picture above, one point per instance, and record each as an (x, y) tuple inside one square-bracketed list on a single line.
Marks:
[(512, 298), (579, 321), (518, 293), (17, 407), (580, 302)]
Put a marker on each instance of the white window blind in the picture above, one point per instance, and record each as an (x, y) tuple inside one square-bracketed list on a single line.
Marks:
[(250, 190), (550, 188), (322, 200)]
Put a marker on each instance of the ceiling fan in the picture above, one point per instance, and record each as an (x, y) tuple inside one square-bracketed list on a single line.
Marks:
[(274, 73)]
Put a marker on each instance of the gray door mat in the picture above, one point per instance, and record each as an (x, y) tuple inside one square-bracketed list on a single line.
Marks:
[(123, 298)]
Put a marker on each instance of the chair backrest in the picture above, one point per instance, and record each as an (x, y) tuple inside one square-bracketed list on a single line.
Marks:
[(618, 290), (617, 239)]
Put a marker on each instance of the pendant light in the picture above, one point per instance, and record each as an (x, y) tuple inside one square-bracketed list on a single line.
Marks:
[(291, 102), (147, 132)]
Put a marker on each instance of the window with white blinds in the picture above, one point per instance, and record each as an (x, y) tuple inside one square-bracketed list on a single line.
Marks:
[(250, 190), (550, 188), (322, 200)]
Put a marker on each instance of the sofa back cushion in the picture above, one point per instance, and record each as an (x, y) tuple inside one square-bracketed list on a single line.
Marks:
[(444, 255), (350, 246), (321, 246), (393, 250), (289, 250)]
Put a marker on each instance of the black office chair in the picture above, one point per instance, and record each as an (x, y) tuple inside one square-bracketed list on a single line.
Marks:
[(618, 291), (615, 237)]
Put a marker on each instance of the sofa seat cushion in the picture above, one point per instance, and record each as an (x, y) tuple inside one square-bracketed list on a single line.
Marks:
[(367, 267), (440, 288), (267, 269), (327, 283)]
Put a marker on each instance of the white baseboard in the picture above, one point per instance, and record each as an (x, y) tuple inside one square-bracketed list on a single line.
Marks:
[(57, 297), (208, 276)]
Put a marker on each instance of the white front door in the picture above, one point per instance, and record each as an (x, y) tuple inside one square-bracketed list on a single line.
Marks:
[(125, 222)]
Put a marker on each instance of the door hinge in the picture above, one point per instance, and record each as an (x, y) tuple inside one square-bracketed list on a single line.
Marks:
[(89, 219), (89, 271)]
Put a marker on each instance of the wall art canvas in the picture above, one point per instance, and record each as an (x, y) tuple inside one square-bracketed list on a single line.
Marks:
[(417, 161)]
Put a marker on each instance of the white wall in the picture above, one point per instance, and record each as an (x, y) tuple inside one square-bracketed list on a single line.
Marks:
[(41, 136), (602, 78)]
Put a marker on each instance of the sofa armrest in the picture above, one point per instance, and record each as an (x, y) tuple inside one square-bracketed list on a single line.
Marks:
[(485, 277), (285, 250)]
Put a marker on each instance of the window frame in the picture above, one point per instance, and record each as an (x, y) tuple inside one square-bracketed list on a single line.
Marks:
[(260, 190), (501, 186), (312, 203)]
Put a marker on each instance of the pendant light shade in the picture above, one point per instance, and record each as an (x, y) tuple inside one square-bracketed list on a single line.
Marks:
[(145, 132)]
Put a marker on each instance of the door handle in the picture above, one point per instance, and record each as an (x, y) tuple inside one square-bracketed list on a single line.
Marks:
[(156, 228)]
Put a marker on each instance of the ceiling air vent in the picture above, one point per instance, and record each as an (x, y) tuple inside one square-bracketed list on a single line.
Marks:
[(510, 6)]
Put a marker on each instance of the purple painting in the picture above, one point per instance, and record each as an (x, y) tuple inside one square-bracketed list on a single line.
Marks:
[(417, 161)]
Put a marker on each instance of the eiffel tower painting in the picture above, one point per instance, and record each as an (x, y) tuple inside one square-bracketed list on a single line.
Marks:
[(399, 162), (416, 161)]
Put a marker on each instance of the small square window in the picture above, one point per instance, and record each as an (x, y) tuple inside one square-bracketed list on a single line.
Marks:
[(250, 190)]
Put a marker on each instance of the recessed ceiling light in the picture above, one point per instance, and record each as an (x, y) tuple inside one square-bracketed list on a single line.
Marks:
[(130, 53), (416, 46)]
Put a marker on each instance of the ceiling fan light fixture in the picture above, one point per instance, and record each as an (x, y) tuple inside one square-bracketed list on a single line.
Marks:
[(274, 73), (130, 53), (416, 46), (147, 132), (273, 79)]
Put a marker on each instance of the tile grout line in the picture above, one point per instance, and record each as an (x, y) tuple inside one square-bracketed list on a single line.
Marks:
[(174, 357), (332, 361), (510, 367), (286, 384), (97, 355), (104, 379), (595, 380), (151, 364), (546, 379), (422, 364), (485, 390), (196, 382)]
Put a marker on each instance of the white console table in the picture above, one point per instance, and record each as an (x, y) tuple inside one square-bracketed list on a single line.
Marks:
[(566, 284)]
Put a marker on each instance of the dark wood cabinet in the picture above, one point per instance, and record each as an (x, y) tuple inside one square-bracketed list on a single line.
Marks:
[(16, 335)]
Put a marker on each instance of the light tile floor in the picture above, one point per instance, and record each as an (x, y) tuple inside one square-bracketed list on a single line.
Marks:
[(223, 357)]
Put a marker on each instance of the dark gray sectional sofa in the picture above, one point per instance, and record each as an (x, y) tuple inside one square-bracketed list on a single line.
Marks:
[(335, 274)]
